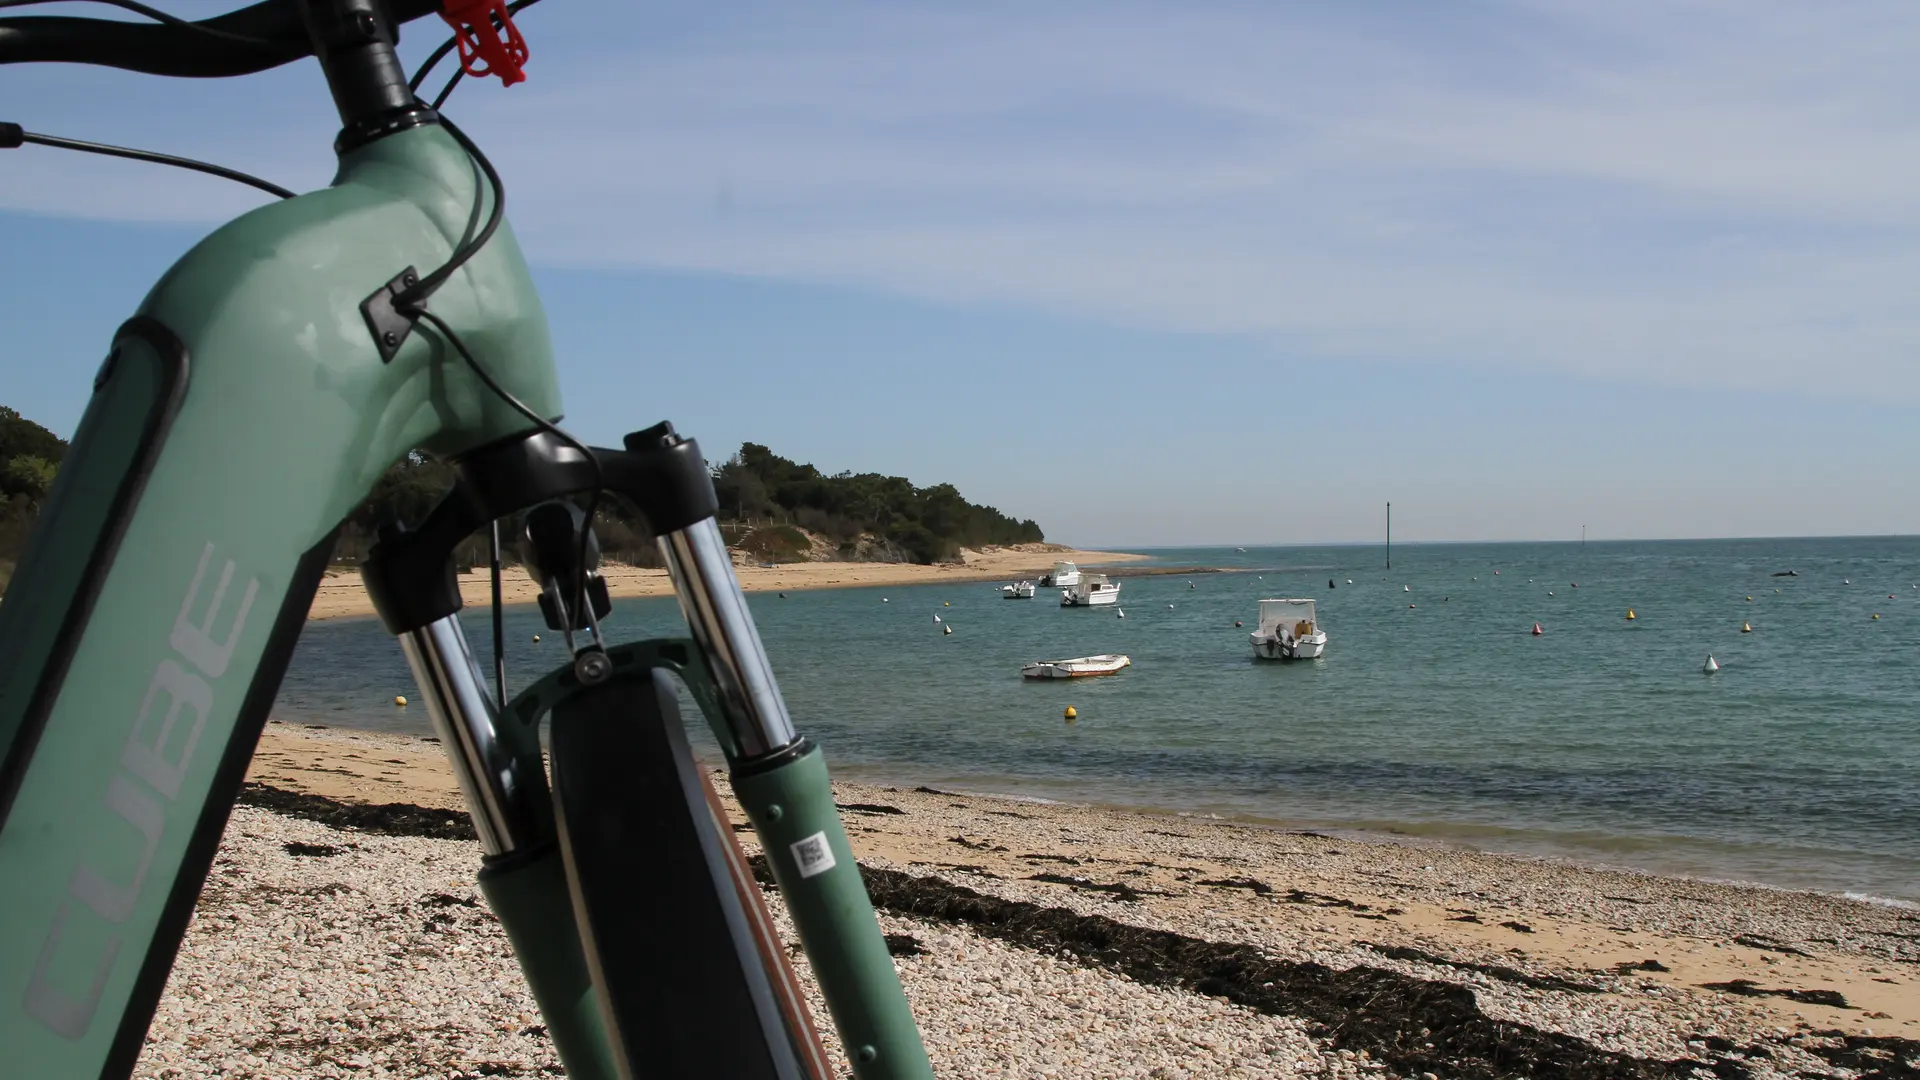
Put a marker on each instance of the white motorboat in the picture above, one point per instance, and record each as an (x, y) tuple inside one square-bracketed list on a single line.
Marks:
[(1093, 590), (1065, 575), (1288, 631), (1078, 668), (1019, 590)]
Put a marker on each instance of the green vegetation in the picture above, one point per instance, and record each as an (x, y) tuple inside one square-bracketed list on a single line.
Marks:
[(766, 500), (777, 544), (905, 523), (29, 457)]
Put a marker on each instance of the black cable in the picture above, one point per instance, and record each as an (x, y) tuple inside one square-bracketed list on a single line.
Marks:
[(12, 135), (411, 298), (164, 18), (541, 422), (447, 90), (433, 59), (499, 624)]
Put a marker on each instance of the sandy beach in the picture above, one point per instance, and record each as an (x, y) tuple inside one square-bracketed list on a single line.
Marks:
[(342, 594), (340, 935)]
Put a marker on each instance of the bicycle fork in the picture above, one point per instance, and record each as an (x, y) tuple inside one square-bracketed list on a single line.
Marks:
[(619, 885)]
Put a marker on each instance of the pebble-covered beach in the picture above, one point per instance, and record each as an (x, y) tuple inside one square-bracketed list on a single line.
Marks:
[(341, 935)]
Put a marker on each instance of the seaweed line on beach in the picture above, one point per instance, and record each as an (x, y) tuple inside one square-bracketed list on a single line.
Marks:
[(1411, 1025)]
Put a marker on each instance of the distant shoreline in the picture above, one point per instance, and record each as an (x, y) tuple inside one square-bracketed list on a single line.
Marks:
[(343, 595)]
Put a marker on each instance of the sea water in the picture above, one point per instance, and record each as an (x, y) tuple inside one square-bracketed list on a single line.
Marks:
[(1435, 713)]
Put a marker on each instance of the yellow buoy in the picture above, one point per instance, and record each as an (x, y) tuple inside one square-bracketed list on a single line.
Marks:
[(400, 701), (1071, 713), (947, 604), (1876, 616), (1630, 614), (1746, 628), (1749, 599)]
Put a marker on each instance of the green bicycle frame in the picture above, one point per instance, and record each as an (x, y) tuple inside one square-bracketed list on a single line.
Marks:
[(240, 416)]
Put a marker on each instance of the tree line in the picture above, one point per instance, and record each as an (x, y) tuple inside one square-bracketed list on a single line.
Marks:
[(910, 524), (762, 497)]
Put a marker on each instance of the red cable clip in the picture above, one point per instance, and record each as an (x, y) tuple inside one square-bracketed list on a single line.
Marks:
[(479, 40)]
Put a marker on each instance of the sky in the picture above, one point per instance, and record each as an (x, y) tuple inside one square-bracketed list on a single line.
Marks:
[(1149, 274)]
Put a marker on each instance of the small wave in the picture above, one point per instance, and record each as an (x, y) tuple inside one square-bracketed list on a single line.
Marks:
[(1881, 901)]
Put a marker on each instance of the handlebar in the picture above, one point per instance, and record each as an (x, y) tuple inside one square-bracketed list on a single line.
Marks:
[(255, 38)]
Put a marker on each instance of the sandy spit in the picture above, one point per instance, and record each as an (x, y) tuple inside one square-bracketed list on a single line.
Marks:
[(342, 594)]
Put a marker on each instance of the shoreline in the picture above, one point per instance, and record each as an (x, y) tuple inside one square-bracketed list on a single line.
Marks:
[(343, 595), (1739, 963)]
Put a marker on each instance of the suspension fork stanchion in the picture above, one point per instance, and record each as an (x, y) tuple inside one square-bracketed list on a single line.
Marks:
[(499, 767), (781, 781)]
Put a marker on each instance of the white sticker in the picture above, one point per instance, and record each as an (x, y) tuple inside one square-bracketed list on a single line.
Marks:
[(813, 855)]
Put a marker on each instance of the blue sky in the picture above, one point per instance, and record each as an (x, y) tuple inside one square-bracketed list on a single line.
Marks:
[(1151, 273)]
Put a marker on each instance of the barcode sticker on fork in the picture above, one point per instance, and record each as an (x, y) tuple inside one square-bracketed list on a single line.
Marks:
[(813, 855)]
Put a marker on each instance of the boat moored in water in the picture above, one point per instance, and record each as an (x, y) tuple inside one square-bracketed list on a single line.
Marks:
[(1288, 631), (1092, 590), (1065, 575), (1019, 590), (1079, 667)]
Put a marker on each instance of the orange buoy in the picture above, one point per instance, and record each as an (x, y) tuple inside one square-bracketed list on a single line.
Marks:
[(1537, 631)]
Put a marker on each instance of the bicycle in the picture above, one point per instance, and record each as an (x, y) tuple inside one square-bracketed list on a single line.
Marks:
[(292, 355)]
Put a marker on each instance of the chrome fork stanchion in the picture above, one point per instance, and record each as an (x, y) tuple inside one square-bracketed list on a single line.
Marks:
[(716, 611), (506, 794)]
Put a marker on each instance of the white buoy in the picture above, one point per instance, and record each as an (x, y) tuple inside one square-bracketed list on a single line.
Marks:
[(1711, 666), (884, 600), (1349, 581), (1406, 588), (1122, 612), (1849, 581), (936, 618), (946, 629)]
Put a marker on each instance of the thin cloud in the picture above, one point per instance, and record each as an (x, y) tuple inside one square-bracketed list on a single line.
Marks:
[(1706, 193)]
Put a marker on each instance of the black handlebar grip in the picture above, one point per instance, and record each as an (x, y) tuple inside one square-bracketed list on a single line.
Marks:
[(11, 135), (273, 30)]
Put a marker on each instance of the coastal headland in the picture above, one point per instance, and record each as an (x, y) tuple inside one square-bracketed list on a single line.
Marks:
[(341, 934)]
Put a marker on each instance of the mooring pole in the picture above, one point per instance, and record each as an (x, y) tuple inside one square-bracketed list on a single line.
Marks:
[(1389, 536)]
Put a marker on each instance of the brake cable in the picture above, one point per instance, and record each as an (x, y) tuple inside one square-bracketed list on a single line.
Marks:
[(13, 135)]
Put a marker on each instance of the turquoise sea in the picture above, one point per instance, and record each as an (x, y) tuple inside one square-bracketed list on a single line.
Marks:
[(1435, 713)]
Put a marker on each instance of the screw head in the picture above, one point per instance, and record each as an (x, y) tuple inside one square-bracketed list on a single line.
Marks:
[(592, 667), (390, 338)]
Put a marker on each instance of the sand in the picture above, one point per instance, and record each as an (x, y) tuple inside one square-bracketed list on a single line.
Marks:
[(342, 594), (1077, 941)]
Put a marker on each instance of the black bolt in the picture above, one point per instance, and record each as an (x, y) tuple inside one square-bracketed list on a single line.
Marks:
[(390, 338)]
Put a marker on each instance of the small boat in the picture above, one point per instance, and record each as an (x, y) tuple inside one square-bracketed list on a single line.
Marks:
[(1288, 631), (1019, 590), (1092, 590), (1065, 575), (1080, 667), (1786, 573)]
